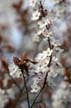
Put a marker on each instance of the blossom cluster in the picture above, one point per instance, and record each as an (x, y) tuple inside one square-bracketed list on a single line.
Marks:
[(46, 68)]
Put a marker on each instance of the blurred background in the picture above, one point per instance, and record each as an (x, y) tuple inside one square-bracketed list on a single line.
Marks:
[(16, 25), (17, 30)]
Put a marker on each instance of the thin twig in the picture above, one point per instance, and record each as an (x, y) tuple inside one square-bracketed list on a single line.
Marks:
[(45, 79), (50, 46), (50, 61), (28, 100)]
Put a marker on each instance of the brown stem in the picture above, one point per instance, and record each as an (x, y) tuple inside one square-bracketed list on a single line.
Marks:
[(45, 79), (27, 92), (50, 46)]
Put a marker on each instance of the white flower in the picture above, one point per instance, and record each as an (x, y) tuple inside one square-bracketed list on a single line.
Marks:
[(39, 32), (35, 15), (41, 56), (35, 87), (42, 62), (49, 52), (46, 33), (43, 23), (14, 70), (44, 54), (56, 61)]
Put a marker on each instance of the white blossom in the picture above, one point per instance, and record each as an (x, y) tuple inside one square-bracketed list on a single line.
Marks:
[(46, 33), (35, 15), (35, 87), (14, 70), (42, 23), (40, 31), (40, 68), (46, 53), (49, 52)]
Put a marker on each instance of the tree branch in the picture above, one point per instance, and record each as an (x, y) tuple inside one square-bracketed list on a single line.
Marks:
[(28, 100)]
